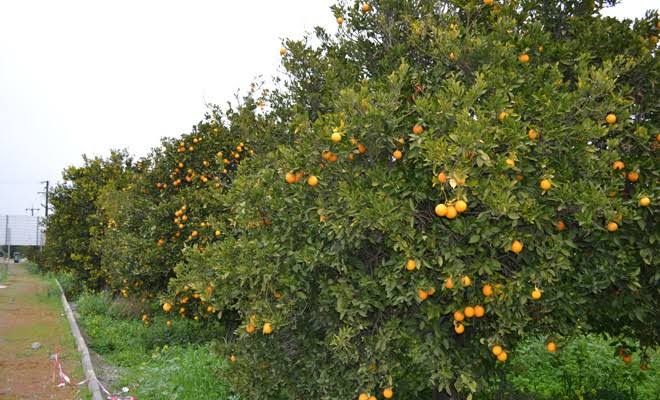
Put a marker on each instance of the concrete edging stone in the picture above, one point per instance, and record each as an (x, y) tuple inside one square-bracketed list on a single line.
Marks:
[(90, 375)]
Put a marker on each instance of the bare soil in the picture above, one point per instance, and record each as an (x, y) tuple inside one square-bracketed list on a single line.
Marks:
[(30, 311)]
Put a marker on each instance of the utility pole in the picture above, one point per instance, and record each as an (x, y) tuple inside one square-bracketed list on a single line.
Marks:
[(46, 206), (7, 237), (31, 210)]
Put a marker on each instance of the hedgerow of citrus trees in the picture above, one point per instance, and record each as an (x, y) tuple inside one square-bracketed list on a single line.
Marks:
[(75, 221), (463, 174), (437, 181), (174, 206)]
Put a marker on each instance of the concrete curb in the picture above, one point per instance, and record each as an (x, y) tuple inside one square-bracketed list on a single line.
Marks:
[(90, 375)]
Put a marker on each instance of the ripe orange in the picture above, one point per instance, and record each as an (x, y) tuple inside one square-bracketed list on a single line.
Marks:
[(612, 226), (312, 181), (366, 8), (460, 206), (388, 393), (418, 129), (610, 118), (441, 210), (459, 316), (532, 134), (169, 323), (232, 358), (361, 148), (411, 264), (627, 358), (516, 246), (217, 233), (459, 328), (545, 185), (502, 356), (267, 329), (372, 398), (430, 291), (469, 312), (644, 202), (250, 328), (282, 51), (536, 294), (487, 290), (449, 283), (452, 56), (466, 281), (290, 178), (551, 347), (451, 212), (488, 2), (363, 396), (442, 177), (340, 21), (422, 294), (560, 225), (510, 163), (523, 58), (617, 165), (633, 176), (497, 350), (335, 137), (479, 311), (397, 154), (502, 116), (167, 307)]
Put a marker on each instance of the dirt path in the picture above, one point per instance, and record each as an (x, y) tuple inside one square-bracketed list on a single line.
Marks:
[(30, 312)]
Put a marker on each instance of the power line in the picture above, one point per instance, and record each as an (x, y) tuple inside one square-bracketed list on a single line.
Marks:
[(18, 183)]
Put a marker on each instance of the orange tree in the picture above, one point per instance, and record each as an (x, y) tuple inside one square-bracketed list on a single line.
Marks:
[(459, 175), (172, 206), (75, 220)]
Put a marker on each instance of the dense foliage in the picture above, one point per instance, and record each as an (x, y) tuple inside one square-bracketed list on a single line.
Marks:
[(435, 182)]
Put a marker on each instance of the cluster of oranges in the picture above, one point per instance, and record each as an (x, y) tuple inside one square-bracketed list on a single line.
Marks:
[(477, 311), (388, 393), (190, 175), (295, 177), (251, 326), (451, 209), (182, 145), (189, 300)]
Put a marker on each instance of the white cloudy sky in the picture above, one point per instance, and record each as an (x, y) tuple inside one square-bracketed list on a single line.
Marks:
[(80, 76)]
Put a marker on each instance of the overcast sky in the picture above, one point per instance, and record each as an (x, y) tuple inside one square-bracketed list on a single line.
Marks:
[(83, 77)]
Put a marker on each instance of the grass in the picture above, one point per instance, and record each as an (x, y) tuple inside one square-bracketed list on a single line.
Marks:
[(4, 272), (157, 361), (583, 368), (178, 363)]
